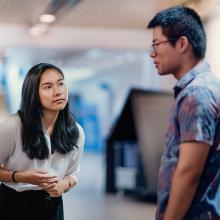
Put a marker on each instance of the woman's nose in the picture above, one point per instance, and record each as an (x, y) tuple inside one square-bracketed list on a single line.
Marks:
[(57, 91)]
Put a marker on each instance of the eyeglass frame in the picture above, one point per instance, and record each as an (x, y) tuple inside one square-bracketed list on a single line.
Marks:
[(154, 45)]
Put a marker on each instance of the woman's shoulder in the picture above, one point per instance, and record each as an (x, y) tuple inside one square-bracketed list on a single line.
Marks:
[(81, 131), (10, 128), (15, 119), (81, 139), (12, 122)]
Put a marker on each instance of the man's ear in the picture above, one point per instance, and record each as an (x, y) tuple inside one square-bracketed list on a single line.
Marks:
[(183, 44)]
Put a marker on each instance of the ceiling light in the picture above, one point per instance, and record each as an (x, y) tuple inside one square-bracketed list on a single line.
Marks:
[(47, 18)]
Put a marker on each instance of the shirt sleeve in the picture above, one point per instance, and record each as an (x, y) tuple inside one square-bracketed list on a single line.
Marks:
[(7, 139), (74, 166), (197, 116)]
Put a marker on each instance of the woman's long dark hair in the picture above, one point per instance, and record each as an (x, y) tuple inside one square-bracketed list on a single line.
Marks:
[(65, 132)]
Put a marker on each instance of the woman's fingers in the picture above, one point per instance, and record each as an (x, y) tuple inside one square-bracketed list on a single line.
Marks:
[(49, 180), (49, 187), (46, 186)]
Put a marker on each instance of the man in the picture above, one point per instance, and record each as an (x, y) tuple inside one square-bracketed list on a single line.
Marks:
[(189, 175)]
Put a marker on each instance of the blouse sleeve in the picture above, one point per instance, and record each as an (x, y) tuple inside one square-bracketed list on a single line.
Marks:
[(7, 139), (74, 166)]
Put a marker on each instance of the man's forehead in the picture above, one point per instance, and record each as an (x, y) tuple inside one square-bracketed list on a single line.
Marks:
[(158, 33)]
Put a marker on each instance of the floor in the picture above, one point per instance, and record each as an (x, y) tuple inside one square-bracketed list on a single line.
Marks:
[(87, 201)]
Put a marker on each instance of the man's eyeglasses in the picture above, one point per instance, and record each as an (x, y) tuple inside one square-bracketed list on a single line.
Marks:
[(154, 46)]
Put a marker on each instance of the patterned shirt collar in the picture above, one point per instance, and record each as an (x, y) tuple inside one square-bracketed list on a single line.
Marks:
[(190, 75)]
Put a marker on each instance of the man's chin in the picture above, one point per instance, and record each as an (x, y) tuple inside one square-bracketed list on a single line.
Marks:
[(163, 73)]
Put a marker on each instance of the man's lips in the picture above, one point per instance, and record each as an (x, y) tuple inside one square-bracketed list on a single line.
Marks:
[(156, 64)]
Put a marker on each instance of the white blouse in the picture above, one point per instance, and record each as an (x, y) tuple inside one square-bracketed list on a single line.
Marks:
[(13, 158)]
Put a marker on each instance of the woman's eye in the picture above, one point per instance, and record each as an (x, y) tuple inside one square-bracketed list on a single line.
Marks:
[(47, 87)]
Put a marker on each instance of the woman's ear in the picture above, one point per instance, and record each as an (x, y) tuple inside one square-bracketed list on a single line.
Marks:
[(183, 44)]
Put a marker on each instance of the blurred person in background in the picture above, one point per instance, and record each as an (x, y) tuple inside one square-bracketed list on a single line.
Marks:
[(40, 149), (189, 174)]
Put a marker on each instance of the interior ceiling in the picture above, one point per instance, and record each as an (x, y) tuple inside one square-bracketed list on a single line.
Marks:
[(131, 14), (83, 24)]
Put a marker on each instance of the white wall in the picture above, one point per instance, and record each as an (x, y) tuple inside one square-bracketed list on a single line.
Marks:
[(213, 44), (139, 73)]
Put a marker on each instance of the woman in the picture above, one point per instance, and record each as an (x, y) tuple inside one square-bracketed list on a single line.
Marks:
[(40, 149)]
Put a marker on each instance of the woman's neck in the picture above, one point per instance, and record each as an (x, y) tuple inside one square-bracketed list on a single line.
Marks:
[(48, 121)]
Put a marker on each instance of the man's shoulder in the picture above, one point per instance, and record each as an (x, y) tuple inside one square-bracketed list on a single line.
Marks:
[(204, 84)]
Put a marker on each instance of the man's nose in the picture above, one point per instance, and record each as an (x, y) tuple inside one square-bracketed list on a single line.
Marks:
[(152, 53)]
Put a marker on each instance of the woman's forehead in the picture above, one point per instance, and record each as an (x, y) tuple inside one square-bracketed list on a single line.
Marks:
[(51, 75)]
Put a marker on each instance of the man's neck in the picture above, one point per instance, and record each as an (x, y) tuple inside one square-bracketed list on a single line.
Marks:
[(186, 67)]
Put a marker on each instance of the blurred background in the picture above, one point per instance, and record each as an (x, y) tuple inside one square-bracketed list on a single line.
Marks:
[(102, 46)]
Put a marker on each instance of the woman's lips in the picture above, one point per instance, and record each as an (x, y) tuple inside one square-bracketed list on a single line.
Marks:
[(58, 100)]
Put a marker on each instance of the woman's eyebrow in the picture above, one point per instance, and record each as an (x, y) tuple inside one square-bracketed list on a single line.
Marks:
[(50, 83), (46, 83)]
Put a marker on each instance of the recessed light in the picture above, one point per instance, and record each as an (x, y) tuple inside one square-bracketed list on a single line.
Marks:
[(47, 18)]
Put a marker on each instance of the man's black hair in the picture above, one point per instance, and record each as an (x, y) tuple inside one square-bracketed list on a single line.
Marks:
[(182, 21)]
